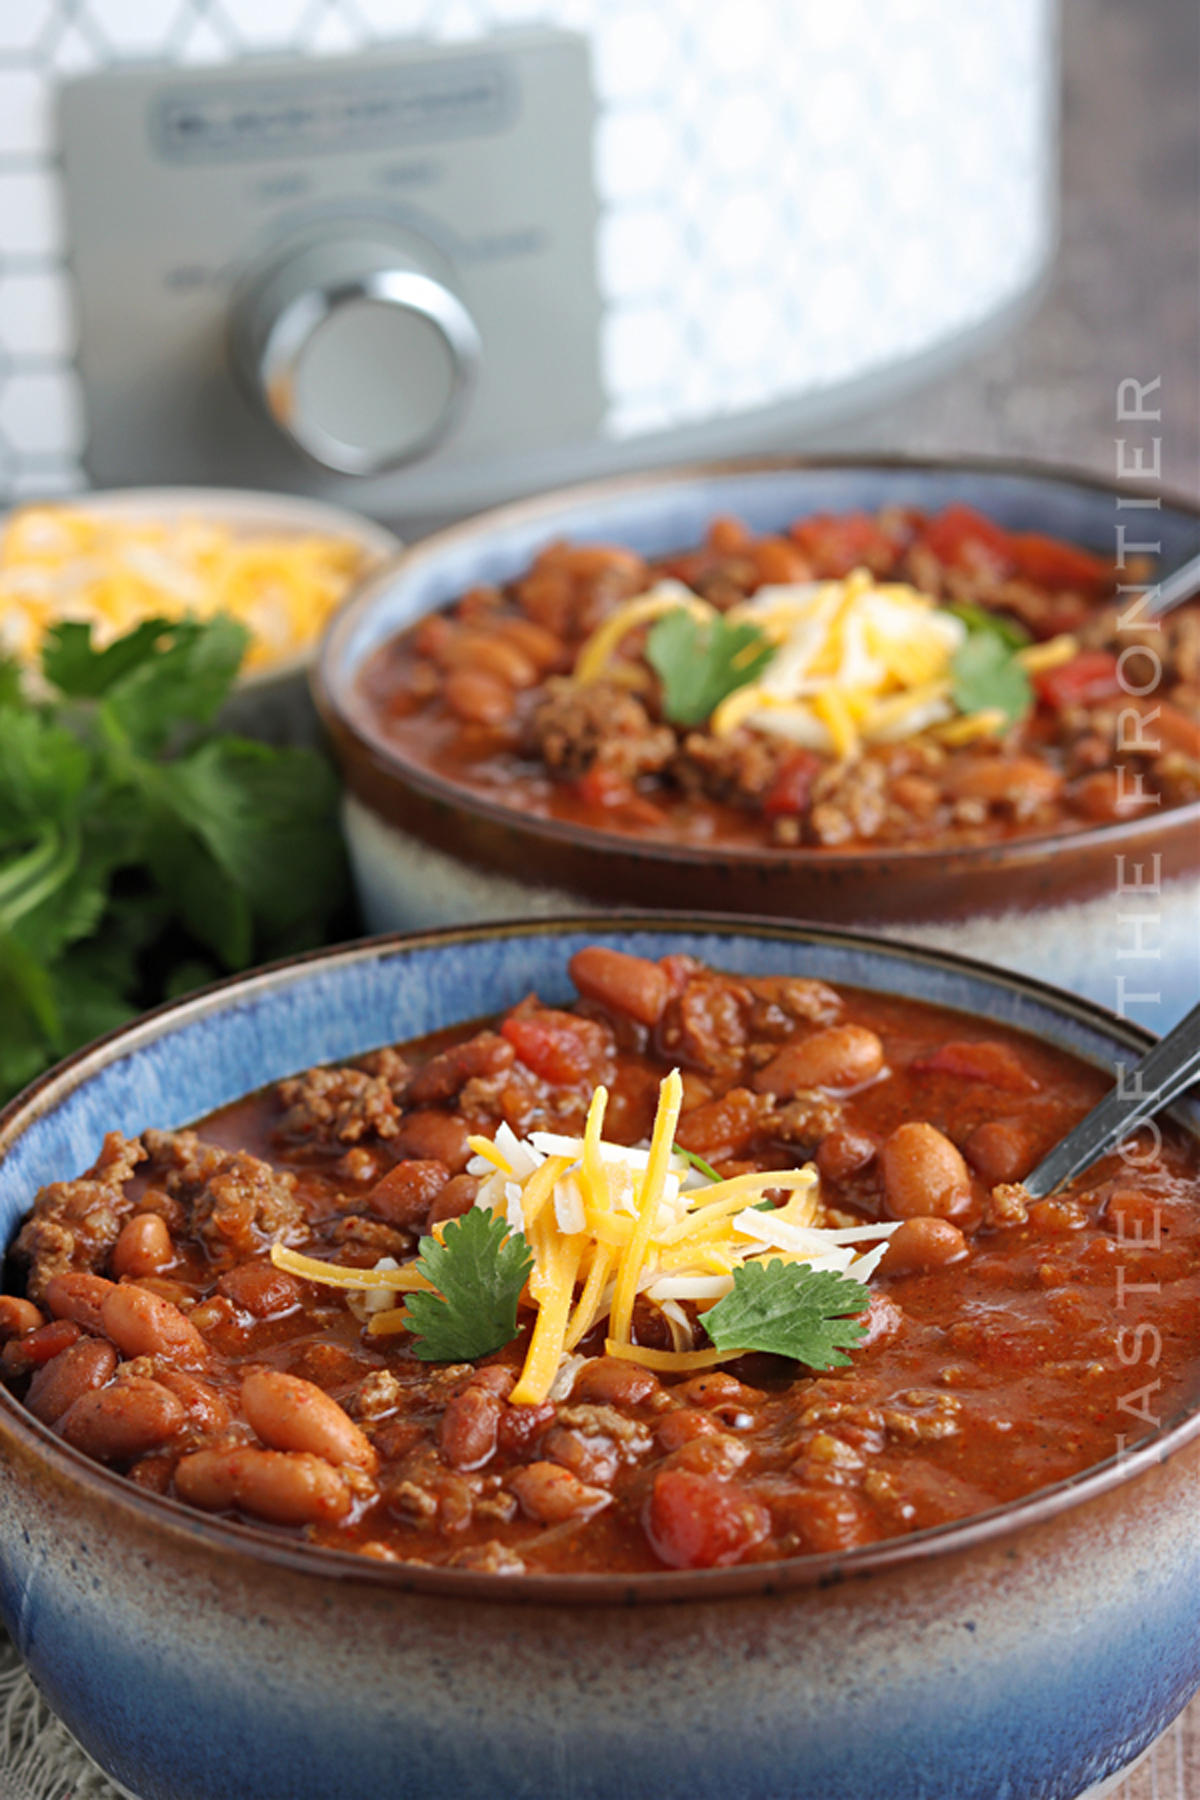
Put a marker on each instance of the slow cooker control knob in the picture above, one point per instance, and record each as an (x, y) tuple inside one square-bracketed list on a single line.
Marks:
[(357, 347)]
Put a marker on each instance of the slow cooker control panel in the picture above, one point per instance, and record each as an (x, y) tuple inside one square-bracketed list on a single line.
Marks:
[(348, 266)]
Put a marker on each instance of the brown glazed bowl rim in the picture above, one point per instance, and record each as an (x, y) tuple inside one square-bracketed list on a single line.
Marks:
[(69, 1468), (333, 678)]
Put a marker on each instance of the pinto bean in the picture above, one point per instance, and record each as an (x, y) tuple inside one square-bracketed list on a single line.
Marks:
[(623, 983), (289, 1413), (18, 1316), (923, 1173), (144, 1247), (87, 1363), (716, 1387), (408, 1190), (721, 1128), (285, 1488), (520, 1425), (842, 1056), (478, 697), (675, 1429), (923, 1243), (206, 1409), (607, 1381), (455, 1199), (429, 1135), (542, 648), (468, 1427), (779, 560), (143, 1324), (260, 1289), (493, 654), (844, 1151), (496, 1378), (38, 1346), (124, 1420), (1001, 1150), (549, 1493), (78, 1295), (1023, 782)]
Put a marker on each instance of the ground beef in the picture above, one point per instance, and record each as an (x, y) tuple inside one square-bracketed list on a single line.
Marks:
[(237, 1203), (389, 1066), (338, 1105), (574, 728), (735, 769), (74, 1224)]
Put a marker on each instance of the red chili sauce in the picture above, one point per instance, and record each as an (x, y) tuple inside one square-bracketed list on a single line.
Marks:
[(1009, 1343), (485, 694)]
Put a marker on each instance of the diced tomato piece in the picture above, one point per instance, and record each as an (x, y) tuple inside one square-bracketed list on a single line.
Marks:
[(835, 545), (789, 792), (1090, 676), (556, 1046), (963, 538), (602, 787), (1053, 564), (997, 1064), (699, 1522)]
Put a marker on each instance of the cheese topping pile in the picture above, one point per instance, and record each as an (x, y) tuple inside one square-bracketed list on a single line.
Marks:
[(606, 1223), (64, 563), (856, 661)]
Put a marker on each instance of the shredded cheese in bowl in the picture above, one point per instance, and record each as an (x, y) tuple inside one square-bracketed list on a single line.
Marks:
[(605, 1224), (278, 565)]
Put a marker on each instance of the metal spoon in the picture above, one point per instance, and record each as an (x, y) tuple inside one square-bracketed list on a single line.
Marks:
[(1162, 1075), (1178, 585)]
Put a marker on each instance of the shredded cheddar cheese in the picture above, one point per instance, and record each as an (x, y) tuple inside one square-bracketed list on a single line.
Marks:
[(855, 661), (112, 571), (606, 1224)]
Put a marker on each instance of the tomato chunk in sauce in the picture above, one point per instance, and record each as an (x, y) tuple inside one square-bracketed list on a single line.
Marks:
[(1007, 1343)]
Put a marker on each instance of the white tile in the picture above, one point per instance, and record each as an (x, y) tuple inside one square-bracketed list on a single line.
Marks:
[(24, 109), (35, 316), (30, 213), (41, 414)]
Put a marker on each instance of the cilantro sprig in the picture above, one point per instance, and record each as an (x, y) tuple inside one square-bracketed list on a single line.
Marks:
[(142, 851), (790, 1309), (699, 664), (478, 1269), (984, 672)]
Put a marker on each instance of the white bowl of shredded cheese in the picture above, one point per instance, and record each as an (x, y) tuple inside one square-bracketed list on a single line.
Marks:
[(279, 564)]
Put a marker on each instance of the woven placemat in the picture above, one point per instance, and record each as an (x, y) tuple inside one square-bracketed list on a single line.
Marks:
[(40, 1760)]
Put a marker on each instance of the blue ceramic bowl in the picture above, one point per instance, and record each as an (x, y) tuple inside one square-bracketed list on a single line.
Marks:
[(427, 851), (1031, 1652)]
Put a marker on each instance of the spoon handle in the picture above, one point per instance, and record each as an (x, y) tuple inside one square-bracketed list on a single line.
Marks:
[(1161, 1076), (1178, 585)]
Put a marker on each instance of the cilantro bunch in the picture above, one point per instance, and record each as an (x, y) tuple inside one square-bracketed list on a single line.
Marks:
[(143, 853)]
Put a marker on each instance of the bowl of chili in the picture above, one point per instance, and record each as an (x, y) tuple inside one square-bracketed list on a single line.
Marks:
[(256, 1530), (917, 697)]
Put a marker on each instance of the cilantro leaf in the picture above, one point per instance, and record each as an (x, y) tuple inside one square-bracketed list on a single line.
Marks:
[(479, 1270), (699, 664), (984, 672), (790, 1309)]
